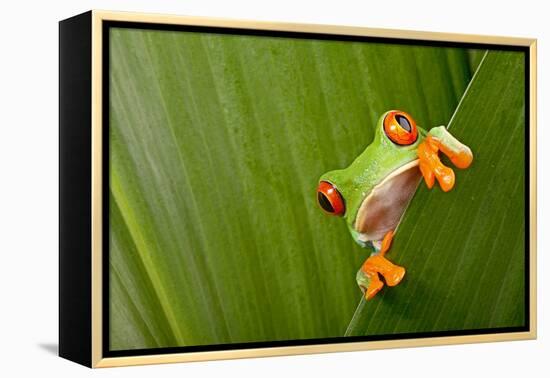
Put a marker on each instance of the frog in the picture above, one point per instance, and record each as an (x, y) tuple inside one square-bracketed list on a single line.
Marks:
[(373, 192)]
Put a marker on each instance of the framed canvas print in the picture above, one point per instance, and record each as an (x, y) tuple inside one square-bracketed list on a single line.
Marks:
[(235, 188)]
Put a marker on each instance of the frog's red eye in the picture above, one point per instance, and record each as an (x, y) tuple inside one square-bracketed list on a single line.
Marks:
[(330, 199), (400, 128)]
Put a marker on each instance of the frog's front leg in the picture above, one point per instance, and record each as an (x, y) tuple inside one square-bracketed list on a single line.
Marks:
[(439, 139), (368, 276)]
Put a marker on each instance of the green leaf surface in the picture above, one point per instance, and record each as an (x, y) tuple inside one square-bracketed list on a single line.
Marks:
[(474, 58), (465, 250), (216, 145)]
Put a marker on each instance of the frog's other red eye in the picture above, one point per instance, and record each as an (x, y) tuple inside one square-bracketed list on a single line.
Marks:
[(330, 199), (400, 128)]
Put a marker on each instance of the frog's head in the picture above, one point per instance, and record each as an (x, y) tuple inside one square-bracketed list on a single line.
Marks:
[(373, 191)]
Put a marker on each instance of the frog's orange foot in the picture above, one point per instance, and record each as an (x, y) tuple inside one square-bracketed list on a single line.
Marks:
[(368, 277), (431, 166)]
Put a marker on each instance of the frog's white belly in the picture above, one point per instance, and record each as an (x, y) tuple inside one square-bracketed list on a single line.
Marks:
[(382, 209)]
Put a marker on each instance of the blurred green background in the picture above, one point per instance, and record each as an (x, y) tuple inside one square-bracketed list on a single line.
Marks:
[(216, 145)]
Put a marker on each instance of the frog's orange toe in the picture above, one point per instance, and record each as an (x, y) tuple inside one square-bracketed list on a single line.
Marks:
[(428, 174), (445, 177), (394, 276), (374, 287), (461, 156)]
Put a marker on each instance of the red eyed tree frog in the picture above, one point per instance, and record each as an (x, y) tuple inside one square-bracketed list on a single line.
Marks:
[(373, 192)]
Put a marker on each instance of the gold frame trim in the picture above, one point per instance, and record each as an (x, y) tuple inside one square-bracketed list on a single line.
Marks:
[(97, 19)]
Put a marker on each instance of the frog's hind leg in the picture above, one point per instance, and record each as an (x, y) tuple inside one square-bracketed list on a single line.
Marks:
[(368, 277)]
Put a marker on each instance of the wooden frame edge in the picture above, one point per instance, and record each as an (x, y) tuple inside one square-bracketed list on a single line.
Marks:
[(533, 187), (97, 203), (309, 349), (98, 16), (310, 28)]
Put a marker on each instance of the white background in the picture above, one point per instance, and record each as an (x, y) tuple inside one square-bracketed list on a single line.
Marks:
[(29, 188)]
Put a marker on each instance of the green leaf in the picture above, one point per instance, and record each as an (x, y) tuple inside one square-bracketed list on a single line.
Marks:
[(474, 58), (216, 145), (465, 250)]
